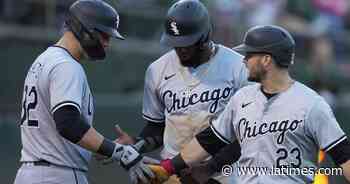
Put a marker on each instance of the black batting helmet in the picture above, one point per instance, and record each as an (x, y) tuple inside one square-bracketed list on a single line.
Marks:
[(87, 19), (187, 22), (269, 39)]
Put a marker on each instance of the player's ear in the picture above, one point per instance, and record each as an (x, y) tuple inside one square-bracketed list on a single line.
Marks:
[(267, 61)]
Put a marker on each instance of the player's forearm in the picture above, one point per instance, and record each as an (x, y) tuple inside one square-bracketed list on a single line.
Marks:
[(346, 170), (190, 155), (95, 142), (152, 134), (71, 127), (193, 153), (91, 140), (151, 143), (207, 143), (226, 156)]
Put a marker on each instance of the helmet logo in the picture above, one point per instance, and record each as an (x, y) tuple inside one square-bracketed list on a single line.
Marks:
[(117, 22), (174, 28), (292, 59)]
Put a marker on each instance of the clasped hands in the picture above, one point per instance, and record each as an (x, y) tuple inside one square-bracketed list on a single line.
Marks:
[(141, 169)]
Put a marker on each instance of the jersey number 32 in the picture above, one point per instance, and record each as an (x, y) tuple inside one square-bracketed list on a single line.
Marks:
[(27, 107)]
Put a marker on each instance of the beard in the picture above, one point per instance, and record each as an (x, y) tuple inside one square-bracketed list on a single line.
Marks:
[(258, 75), (193, 60), (254, 79)]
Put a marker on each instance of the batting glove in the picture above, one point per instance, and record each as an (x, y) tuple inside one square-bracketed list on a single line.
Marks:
[(136, 164), (161, 175)]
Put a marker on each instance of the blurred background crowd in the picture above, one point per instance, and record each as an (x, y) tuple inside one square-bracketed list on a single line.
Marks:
[(321, 29)]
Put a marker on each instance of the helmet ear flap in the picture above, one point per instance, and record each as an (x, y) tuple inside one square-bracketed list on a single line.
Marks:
[(205, 40), (89, 40), (76, 27), (86, 19)]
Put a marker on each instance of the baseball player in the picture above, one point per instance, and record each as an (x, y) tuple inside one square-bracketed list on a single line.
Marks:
[(190, 84), (277, 123), (57, 108)]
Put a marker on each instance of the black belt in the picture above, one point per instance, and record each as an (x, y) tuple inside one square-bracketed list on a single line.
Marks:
[(39, 163), (48, 164)]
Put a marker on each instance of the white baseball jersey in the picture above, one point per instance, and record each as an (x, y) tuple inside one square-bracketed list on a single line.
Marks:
[(186, 98), (55, 79), (286, 130)]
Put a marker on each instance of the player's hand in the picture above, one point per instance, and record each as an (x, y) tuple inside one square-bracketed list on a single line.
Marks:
[(162, 171), (136, 164), (186, 177), (199, 174), (123, 137), (161, 175)]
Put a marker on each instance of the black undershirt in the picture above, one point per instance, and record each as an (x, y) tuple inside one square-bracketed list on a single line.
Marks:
[(341, 152), (70, 124), (152, 134), (222, 152), (268, 95)]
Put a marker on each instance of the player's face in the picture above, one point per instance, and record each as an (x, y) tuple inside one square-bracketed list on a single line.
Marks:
[(257, 71), (189, 56), (104, 39)]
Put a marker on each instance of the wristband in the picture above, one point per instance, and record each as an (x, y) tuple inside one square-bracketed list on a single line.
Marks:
[(106, 148), (168, 166)]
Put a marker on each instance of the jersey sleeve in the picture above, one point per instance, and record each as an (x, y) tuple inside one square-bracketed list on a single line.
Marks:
[(153, 108), (223, 125), (323, 126), (66, 87)]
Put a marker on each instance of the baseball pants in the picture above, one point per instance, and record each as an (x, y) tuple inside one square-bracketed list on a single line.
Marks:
[(30, 173)]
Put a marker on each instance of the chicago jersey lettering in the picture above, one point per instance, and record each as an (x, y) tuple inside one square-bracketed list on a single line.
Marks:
[(186, 98), (278, 132)]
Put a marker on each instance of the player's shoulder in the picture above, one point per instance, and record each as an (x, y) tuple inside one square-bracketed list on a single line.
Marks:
[(305, 92), (229, 61), (228, 51), (248, 90), (54, 57), (161, 63), (312, 100), (306, 96), (253, 87), (229, 56), (59, 55)]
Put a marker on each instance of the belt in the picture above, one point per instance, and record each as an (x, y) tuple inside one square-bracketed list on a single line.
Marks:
[(48, 164), (38, 163)]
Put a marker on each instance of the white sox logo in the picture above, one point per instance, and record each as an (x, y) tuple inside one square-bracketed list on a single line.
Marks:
[(174, 28)]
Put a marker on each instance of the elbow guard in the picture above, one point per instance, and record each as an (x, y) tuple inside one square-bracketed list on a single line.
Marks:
[(341, 152), (209, 141), (69, 124), (226, 156)]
